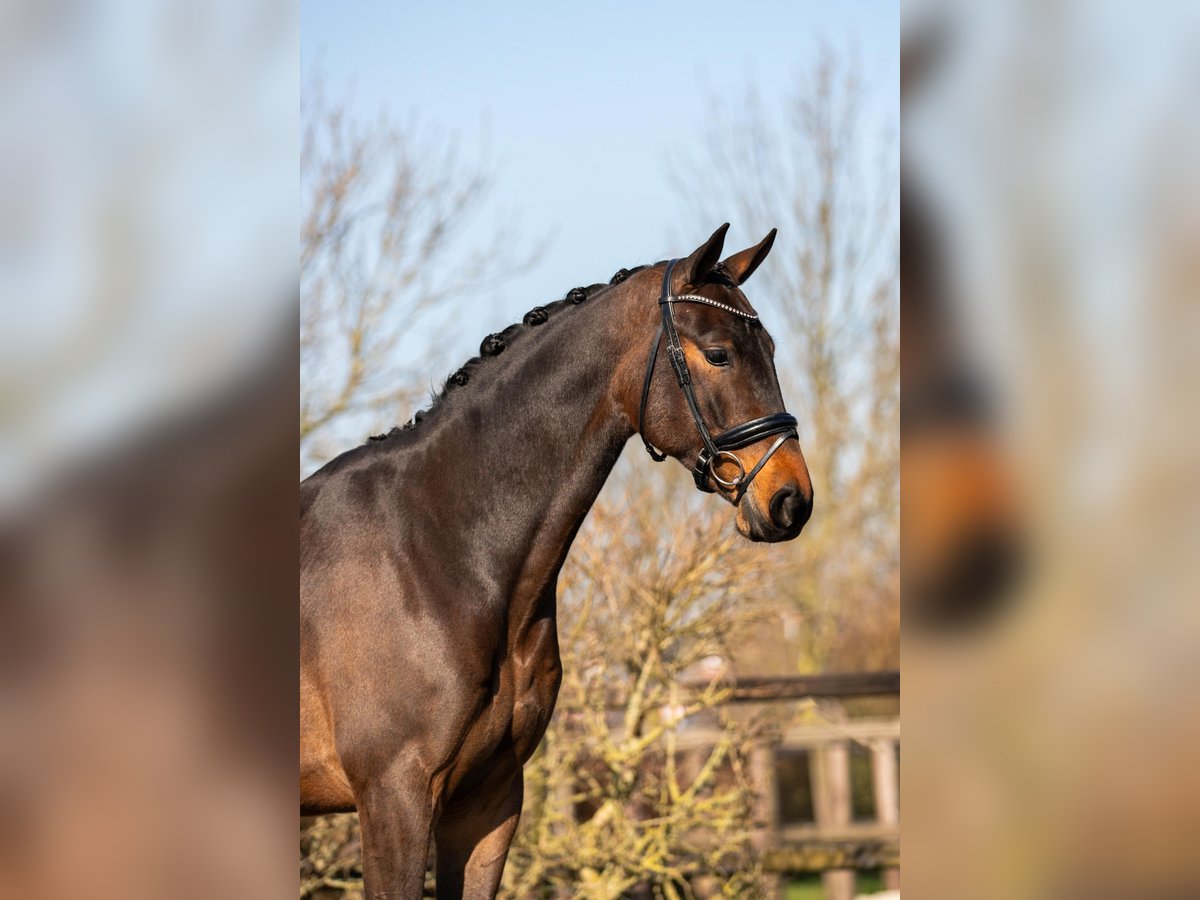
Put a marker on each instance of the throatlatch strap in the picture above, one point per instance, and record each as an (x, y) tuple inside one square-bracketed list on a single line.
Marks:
[(655, 455)]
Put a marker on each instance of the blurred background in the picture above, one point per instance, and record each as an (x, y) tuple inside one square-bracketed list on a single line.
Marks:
[(458, 170), (148, 388), (1049, 250), (1044, 249)]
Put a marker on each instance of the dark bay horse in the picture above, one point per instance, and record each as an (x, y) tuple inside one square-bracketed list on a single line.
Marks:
[(429, 661)]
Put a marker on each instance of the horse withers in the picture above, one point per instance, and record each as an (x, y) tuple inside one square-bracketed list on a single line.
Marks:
[(430, 556)]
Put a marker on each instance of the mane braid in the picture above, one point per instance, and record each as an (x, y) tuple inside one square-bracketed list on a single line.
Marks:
[(496, 343)]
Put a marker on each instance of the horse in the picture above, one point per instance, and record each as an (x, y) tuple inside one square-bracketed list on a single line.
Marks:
[(429, 556)]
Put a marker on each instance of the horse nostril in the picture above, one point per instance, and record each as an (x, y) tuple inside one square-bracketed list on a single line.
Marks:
[(790, 508)]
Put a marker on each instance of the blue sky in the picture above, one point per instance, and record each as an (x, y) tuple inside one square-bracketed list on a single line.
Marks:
[(583, 107)]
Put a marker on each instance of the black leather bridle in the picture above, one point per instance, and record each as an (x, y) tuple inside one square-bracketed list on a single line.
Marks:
[(720, 447)]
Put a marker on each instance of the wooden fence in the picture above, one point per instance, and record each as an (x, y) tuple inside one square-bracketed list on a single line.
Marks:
[(833, 844)]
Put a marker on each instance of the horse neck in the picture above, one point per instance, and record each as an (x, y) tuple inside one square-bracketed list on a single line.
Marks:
[(525, 449)]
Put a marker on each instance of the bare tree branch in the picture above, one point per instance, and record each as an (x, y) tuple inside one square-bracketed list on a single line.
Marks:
[(832, 300), (383, 212)]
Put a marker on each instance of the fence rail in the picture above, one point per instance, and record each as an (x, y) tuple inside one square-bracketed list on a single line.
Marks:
[(801, 687), (826, 856), (836, 685), (834, 844)]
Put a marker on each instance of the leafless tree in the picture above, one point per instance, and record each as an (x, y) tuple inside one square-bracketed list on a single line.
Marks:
[(831, 295), (382, 251), (614, 802)]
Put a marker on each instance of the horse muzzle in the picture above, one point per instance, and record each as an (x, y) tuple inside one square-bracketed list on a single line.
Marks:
[(784, 518)]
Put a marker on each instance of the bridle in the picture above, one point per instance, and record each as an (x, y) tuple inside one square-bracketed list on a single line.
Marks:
[(719, 448)]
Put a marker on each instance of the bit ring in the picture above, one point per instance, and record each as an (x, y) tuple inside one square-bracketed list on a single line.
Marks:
[(712, 469)]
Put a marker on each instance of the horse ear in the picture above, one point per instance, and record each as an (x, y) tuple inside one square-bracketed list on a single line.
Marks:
[(741, 265), (704, 258)]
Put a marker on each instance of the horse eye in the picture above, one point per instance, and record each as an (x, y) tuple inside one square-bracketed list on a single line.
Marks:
[(717, 356)]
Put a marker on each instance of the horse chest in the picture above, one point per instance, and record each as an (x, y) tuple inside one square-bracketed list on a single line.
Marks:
[(513, 721), (532, 708)]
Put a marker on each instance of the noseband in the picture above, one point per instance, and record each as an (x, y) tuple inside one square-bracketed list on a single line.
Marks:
[(719, 448)]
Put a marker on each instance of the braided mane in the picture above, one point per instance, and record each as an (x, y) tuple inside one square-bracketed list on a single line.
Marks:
[(496, 343)]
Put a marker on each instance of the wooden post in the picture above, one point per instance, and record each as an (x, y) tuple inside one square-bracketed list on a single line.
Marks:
[(885, 778), (765, 778), (831, 784)]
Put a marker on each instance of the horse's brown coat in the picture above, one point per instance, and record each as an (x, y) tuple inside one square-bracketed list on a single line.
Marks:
[(429, 562)]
